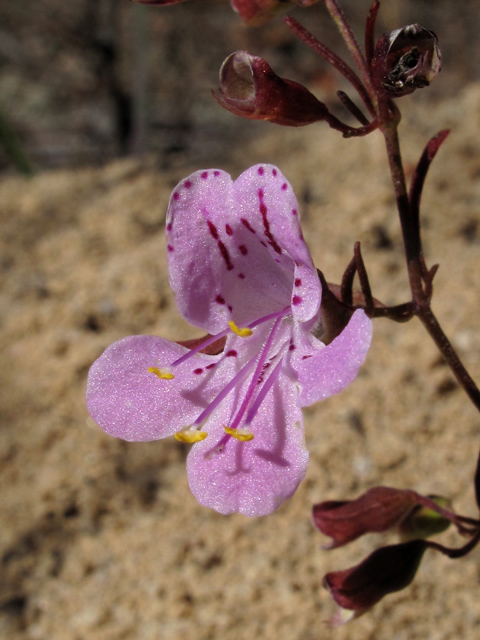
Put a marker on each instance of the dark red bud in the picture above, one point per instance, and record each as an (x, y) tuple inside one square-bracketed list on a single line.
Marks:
[(257, 12), (406, 59), (377, 510), (250, 89), (162, 3), (385, 571)]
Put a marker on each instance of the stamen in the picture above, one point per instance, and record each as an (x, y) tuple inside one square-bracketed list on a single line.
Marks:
[(256, 374), (191, 435), (225, 391), (163, 374), (272, 378), (242, 333), (243, 435)]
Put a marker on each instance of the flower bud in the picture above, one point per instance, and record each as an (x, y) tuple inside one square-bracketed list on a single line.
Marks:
[(377, 510), (422, 522), (385, 571), (257, 12), (162, 3), (406, 59), (249, 88)]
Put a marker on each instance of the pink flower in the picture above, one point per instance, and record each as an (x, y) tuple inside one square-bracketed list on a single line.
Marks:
[(241, 271)]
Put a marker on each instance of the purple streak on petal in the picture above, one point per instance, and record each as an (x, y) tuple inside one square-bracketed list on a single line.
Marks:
[(263, 392)]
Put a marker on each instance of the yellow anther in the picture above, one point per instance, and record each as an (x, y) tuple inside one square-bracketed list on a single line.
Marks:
[(163, 374), (243, 435), (242, 333), (191, 435)]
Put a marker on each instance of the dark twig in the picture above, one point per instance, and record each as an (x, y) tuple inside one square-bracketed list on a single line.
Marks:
[(364, 281), (352, 44), (456, 553), (332, 58), (370, 32), (352, 108)]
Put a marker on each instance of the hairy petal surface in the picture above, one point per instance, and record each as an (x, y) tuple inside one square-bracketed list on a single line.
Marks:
[(326, 370), (235, 249), (252, 478), (129, 402)]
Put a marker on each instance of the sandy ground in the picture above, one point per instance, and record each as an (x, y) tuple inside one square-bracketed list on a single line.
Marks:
[(101, 539)]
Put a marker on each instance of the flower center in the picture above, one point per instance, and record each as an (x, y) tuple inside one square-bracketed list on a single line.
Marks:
[(257, 387)]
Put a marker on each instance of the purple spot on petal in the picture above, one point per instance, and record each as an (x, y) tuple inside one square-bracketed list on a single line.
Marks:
[(298, 282), (296, 300), (204, 176), (284, 186), (219, 299), (228, 229), (305, 357), (291, 347), (274, 172), (247, 224), (243, 249), (264, 243), (231, 354), (294, 212), (169, 226), (225, 255), (169, 248), (176, 195), (230, 308), (260, 193), (261, 171), (241, 276), (213, 229), (198, 371), (210, 366), (216, 173), (188, 184)]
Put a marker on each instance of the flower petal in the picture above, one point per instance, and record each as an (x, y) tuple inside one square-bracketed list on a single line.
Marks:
[(255, 477), (235, 249), (325, 370), (127, 401)]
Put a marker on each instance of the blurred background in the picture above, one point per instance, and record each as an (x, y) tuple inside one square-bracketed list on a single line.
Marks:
[(84, 82)]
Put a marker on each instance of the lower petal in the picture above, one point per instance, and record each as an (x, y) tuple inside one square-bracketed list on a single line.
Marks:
[(326, 370), (255, 477), (128, 401)]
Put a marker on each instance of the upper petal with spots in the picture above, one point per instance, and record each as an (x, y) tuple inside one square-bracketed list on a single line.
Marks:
[(235, 249)]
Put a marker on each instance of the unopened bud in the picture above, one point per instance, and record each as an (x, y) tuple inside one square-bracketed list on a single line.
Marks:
[(406, 59), (257, 12), (423, 522), (385, 571), (162, 3), (249, 88), (377, 510)]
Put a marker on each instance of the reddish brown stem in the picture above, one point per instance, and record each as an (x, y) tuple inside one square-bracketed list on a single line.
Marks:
[(370, 32), (332, 58), (352, 107)]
